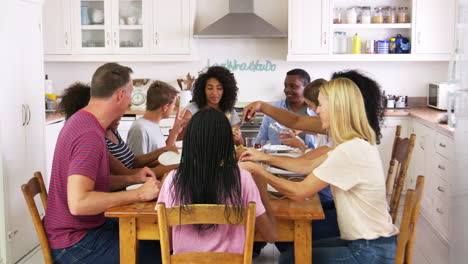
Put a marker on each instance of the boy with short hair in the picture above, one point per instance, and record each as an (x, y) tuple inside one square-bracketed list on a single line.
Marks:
[(145, 134)]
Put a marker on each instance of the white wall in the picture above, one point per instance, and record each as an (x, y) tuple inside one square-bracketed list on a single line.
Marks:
[(402, 78)]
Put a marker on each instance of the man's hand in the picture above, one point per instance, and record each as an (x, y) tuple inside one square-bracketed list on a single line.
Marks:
[(250, 111), (253, 155), (143, 175), (179, 122), (150, 190)]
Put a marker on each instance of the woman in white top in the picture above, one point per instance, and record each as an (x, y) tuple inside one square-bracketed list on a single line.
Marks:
[(354, 171)]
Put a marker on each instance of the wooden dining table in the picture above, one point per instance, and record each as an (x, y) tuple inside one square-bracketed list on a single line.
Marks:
[(139, 221)]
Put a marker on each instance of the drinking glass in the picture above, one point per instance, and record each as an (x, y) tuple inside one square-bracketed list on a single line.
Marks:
[(249, 142)]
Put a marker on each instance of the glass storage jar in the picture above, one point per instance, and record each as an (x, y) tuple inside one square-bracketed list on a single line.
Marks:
[(377, 18), (340, 43), (403, 15), (389, 14), (337, 18), (366, 15)]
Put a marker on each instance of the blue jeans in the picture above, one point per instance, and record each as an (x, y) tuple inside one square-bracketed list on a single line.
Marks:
[(101, 246), (337, 251)]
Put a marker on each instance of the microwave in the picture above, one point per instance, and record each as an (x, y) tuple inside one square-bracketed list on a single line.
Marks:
[(438, 95)]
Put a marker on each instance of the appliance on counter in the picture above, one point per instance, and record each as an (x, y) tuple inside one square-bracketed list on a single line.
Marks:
[(458, 120), (140, 87), (438, 94), (252, 127)]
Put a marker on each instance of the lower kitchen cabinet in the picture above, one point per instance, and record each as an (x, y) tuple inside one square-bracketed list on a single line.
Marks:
[(432, 158), (52, 132)]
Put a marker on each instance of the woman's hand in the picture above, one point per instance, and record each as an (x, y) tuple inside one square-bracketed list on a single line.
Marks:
[(251, 167), (143, 175), (251, 110), (253, 155), (169, 148), (294, 142)]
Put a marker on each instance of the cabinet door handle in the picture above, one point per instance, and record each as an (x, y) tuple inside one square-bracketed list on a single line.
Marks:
[(419, 37), (115, 38), (442, 145), (441, 167), (324, 38), (156, 38), (439, 211), (29, 114), (66, 38), (107, 38), (23, 114), (440, 189)]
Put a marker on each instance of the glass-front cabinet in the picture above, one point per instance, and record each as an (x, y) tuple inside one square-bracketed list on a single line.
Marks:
[(111, 26)]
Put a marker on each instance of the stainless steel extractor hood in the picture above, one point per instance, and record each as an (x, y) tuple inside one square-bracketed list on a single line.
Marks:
[(241, 22)]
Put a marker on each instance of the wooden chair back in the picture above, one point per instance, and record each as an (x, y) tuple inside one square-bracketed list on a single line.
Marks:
[(33, 187), (404, 252), (204, 214), (401, 156)]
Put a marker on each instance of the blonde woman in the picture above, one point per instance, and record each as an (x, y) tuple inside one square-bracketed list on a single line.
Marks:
[(354, 171)]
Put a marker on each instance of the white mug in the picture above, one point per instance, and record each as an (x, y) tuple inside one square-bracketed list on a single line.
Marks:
[(131, 20), (122, 21)]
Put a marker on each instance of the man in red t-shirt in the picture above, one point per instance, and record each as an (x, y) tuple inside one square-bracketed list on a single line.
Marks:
[(81, 184)]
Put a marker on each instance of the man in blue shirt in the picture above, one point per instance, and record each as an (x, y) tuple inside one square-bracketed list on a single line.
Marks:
[(294, 84)]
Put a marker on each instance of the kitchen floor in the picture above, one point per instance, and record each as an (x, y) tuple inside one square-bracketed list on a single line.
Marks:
[(428, 248)]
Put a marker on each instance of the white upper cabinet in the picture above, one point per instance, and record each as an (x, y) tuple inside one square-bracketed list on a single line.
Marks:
[(104, 30), (308, 27), (435, 26), (172, 31), (323, 30), (57, 27)]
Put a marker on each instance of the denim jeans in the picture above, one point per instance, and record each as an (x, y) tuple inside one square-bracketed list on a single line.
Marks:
[(337, 251), (101, 246)]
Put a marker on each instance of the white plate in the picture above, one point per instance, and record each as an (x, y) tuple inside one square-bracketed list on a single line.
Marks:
[(271, 188), (288, 154), (169, 158), (277, 171), (134, 186), (178, 144), (278, 148)]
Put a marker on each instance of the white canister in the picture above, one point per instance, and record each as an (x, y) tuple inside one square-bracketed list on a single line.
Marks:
[(184, 98), (351, 15)]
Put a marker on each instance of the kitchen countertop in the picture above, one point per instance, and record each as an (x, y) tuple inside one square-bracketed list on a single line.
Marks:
[(427, 115)]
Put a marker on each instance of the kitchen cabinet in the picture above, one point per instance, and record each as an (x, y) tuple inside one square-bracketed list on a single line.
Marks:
[(308, 27), (52, 132), (57, 27), (123, 30), (434, 26), (111, 27), (388, 130), (311, 30), (21, 125), (432, 156)]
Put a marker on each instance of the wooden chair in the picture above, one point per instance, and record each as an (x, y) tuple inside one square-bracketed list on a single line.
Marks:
[(404, 252), (401, 154), (36, 186), (204, 214)]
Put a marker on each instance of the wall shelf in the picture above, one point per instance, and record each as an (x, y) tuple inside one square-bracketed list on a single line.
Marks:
[(369, 57), (370, 26)]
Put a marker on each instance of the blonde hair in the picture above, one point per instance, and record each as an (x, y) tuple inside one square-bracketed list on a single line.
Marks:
[(348, 119)]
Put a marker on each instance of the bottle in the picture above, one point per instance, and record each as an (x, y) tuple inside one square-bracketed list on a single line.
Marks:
[(340, 43), (356, 44), (49, 89), (377, 18), (351, 15), (392, 45), (337, 16)]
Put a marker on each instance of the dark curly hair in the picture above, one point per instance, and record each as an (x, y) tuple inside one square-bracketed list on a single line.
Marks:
[(226, 78), (372, 95), (76, 97)]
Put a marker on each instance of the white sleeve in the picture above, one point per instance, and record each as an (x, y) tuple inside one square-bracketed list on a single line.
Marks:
[(338, 170), (136, 140)]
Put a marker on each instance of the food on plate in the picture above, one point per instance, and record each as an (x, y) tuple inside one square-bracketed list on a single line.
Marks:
[(240, 147)]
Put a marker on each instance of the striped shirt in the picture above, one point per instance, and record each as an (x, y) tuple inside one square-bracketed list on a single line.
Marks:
[(80, 149), (121, 151)]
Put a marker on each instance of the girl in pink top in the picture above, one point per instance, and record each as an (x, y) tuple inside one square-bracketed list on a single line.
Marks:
[(208, 174)]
